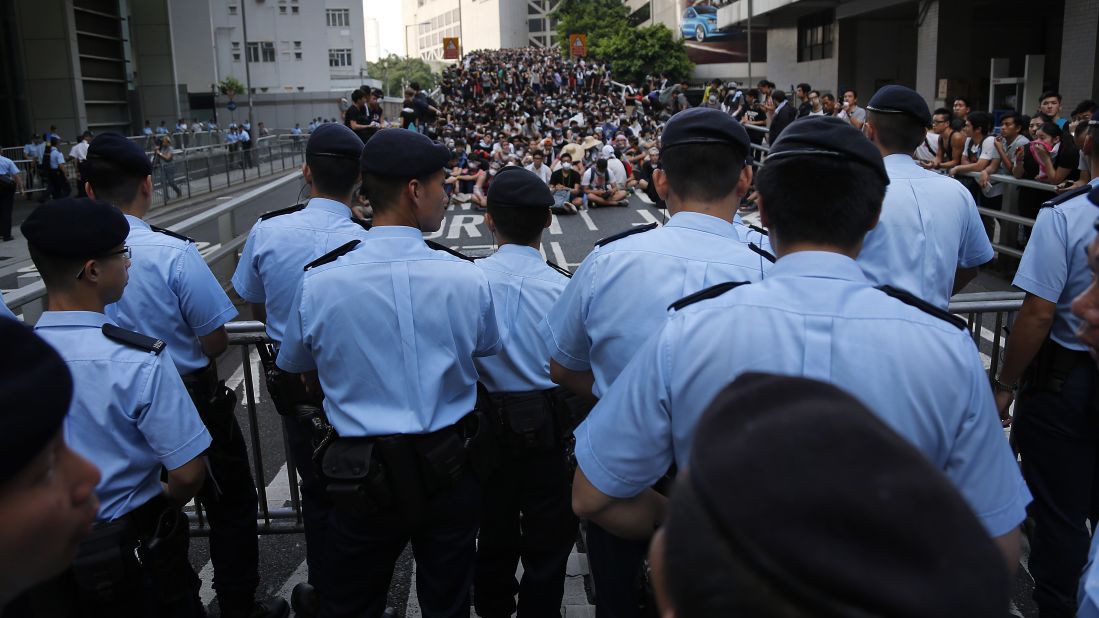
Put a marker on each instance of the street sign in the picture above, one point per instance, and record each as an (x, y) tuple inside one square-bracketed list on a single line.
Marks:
[(578, 45), (231, 105), (450, 48)]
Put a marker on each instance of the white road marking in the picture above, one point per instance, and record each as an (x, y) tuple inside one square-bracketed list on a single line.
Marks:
[(555, 226), (648, 218), (587, 220), (467, 224)]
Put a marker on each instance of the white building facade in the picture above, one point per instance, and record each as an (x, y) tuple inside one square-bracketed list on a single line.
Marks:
[(478, 24)]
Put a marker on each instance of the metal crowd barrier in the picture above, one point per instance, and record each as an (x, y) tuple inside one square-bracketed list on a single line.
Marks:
[(987, 315)]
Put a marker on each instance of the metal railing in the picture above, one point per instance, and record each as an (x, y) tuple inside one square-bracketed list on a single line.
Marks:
[(987, 314)]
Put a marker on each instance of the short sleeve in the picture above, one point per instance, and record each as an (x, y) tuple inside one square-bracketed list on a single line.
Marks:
[(1044, 268), (488, 334), (625, 444), (204, 305), (295, 354), (975, 248), (981, 463), (246, 280), (563, 329), (988, 150), (168, 420)]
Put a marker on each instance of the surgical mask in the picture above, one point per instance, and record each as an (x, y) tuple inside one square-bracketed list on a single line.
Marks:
[(566, 166)]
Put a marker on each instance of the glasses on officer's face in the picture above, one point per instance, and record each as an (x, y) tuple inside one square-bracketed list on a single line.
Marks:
[(124, 252)]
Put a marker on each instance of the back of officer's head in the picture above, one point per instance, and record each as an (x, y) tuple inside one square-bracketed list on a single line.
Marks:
[(899, 118), (702, 154), (68, 237), (518, 204), (332, 154), (799, 502), (393, 158), (117, 168), (822, 183)]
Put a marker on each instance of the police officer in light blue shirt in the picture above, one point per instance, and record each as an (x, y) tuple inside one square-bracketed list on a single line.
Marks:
[(268, 275), (620, 293), (403, 369), (531, 485), (930, 239), (816, 315), (173, 295), (131, 415), (1086, 307), (1056, 406)]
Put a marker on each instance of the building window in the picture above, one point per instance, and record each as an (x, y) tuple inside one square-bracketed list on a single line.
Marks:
[(294, 9), (236, 45), (297, 55), (232, 9), (263, 51), (297, 44), (815, 36), (338, 18), (339, 58), (236, 57), (282, 10), (536, 25)]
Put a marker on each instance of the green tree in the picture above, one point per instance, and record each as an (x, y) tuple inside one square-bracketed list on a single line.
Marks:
[(395, 72), (230, 86), (632, 52)]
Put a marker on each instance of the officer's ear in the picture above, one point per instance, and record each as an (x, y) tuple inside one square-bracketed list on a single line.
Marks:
[(490, 223), (147, 187), (307, 173), (870, 131), (549, 220), (744, 182), (660, 183)]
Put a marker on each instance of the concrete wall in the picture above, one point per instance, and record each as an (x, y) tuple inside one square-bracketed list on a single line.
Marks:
[(875, 52), (151, 42), (1079, 73), (927, 55), (193, 38), (784, 68), (53, 88)]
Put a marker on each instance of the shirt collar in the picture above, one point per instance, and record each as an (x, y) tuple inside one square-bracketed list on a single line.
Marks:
[(395, 231), (780, 106), (519, 251), (899, 159), (137, 222), (93, 319), (702, 223), (329, 206), (818, 264)]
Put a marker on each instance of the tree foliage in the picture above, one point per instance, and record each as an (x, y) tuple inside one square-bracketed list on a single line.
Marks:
[(395, 72), (230, 86), (632, 52)]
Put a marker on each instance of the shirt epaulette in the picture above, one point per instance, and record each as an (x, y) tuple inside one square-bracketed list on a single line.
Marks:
[(711, 292), (758, 229), (132, 339), (333, 255), (559, 269), (282, 211), (1064, 197), (621, 235), (766, 255), (167, 232), (445, 249), (912, 300)]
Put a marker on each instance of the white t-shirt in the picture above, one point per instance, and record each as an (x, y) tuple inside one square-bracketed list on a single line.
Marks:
[(926, 151), (543, 172), (617, 171), (590, 175), (989, 153), (79, 151)]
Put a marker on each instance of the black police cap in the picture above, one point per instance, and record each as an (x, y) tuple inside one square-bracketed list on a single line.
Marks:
[(401, 153), (827, 136), (702, 125), (515, 187), (889, 534), (75, 227), (35, 392), (123, 153), (897, 99), (334, 140)]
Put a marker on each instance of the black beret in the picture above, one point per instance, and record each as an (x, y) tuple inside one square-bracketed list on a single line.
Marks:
[(403, 154), (124, 153), (515, 187), (702, 125), (827, 136), (334, 140), (75, 227), (35, 392), (868, 526), (897, 99)]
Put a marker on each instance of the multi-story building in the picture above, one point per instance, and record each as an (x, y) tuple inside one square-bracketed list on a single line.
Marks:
[(478, 24)]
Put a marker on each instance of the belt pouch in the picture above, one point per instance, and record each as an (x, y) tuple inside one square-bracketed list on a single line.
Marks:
[(355, 477)]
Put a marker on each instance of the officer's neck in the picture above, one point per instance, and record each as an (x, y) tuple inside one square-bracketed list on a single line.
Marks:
[(77, 298), (343, 199), (396, 215), (783, 249), (723, 209)]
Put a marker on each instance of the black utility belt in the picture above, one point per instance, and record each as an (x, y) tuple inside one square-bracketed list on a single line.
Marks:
[(402, 471), (290, 397), (530, 421), (1052, 365)]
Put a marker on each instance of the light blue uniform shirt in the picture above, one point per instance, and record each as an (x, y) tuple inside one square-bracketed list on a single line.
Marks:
[(1055, 266), (1089, 585), (39, 151), (524, 289), (162, 130), (171, 295), (56, 159), (4, 311), (929, 228), (130, 413), (391, 329), (619, 295), (231, 137), (277, 250), (747, 234), (815, 316), (7, 166)]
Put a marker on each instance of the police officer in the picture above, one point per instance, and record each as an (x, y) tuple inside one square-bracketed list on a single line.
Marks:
[(531, 485), (48, 502), (269, 272), (400, 387), (11, 181), (59, 179), (130, 416), (78, 154), (1056, 380), (856, 536), (173, 295), (816, 316), (620, 293), (930, 239)]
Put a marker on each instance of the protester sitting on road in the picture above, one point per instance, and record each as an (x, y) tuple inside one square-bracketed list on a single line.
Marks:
[(600, 189)]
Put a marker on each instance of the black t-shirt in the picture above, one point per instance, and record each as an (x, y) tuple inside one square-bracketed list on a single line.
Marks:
[(569, 178), (354, 113), (755, 113)]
